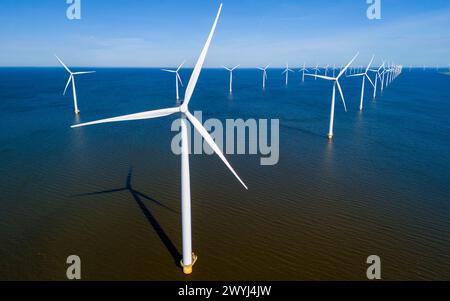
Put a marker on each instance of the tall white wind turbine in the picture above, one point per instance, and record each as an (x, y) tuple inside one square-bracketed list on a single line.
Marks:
[(286, 72), (264, 75), (231, 76), (189, 258), (364, 75), (72, 79), (333, 97), (177, 78)]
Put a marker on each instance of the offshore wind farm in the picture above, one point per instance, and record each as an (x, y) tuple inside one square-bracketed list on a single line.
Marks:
[(362, 165)]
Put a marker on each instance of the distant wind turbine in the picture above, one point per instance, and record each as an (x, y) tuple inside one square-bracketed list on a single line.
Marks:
[(264, 75), (303, 69), (383, 77), (326, 70), (333, 97), (177, 78), (316, 69), (286, 72), (377, 76), (189, 258), (364, 76), (231, 76), (72, 79)]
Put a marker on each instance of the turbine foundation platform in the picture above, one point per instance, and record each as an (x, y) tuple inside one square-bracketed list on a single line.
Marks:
[(187, 269)]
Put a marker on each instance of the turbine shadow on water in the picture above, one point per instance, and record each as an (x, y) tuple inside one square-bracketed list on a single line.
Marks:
[(138, 196)]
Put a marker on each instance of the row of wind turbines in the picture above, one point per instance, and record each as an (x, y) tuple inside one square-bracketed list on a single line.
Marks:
[(385, 74), (182, 109)]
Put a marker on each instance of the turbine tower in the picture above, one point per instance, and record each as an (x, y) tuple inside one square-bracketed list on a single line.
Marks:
[(333, 97), (189, 258), (72, 79), (177, 78)]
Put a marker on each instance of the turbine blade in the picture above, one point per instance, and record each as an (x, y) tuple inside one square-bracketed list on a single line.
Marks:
[(348, 65), (198, 66), (370, 80), (354, 75), (179, 67), (167, 70), (83, 72), (199, 127), (225, 67), (342, 95), (179, 78), (235, 67), (321, 76), (137, 116), (262, 69), (67, 68), (68, 82), (370, 63), (267, 66)]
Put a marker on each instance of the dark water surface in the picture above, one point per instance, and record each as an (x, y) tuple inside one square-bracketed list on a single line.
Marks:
[(381, 187)]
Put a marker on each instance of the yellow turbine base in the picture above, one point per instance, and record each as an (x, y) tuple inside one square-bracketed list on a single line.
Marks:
[(187, 269), (330, 136)]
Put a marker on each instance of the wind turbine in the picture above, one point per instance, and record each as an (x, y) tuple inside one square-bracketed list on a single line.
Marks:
[(189, 258), (377, 75), (364, 76), (316, 69), (303, 69), (231, 76), (264, 75), (286, 71), (177, 78), (326, 70), (72, 79), (333, 97)]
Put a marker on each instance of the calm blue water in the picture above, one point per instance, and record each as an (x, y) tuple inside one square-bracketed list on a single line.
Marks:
[(381, 187)]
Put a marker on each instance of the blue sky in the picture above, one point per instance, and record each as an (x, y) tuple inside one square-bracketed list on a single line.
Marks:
[(142, 33)]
